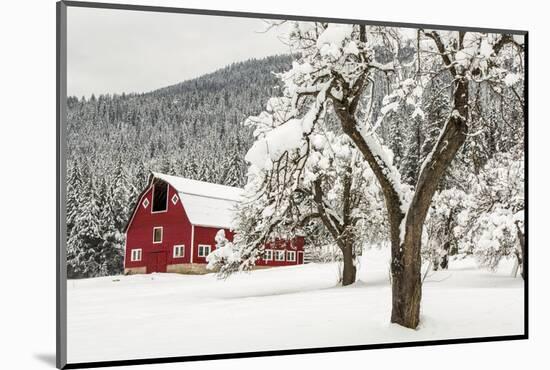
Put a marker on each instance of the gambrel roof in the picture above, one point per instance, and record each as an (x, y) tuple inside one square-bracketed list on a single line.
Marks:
[(206, 204)]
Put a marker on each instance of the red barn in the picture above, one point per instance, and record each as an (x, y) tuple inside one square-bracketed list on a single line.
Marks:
[(175, 221)]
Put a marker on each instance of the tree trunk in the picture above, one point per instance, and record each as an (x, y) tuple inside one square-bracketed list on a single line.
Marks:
[(447, 245), (349, 272), (521, 258), (407, 280), (341, 233), (347, 237), (444, 264)]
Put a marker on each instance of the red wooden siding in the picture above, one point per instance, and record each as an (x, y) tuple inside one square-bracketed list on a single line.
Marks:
[(176, 231), (207, 235), (296, 245)]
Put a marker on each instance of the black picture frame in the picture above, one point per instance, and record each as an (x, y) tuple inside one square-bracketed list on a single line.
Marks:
[(61, 114)]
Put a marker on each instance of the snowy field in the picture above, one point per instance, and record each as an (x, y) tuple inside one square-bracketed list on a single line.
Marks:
[(160, 315)]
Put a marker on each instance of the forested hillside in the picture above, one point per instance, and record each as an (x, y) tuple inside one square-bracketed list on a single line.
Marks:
[(192, 129)]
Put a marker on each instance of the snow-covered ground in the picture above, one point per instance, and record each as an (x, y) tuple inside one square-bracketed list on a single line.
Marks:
[(160, 315)]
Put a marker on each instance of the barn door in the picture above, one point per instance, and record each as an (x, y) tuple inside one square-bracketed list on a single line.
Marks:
[(156, 262), (152, 264), (161, 261), (300, 258)]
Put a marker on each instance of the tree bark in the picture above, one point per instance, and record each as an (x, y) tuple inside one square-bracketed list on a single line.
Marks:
[(521, 258), (349, 270), (340, 232), (444, 264), (447, 245)]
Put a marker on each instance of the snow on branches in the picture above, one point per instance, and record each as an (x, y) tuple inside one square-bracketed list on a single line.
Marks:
[(321, 181), (480, 57), (441, 235), (225, 252), (492, 224), (348, 84)]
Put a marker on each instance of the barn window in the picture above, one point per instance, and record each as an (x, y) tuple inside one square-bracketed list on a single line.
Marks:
[(160, 197), (291, 256), (179, 251), (135, 255), (268, 255), (204, 250), (157, 235), (175, 199), (279, 255)]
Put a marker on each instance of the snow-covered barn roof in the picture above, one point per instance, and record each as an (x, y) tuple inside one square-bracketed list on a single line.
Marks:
[(206, 204)]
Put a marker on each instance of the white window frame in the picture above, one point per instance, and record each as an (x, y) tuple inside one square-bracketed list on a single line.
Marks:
[(268, 255), (291, 253), (280, 253), (138, 251), (145, 203), (167, 199), (179, 247), (161, 234), (203, 247)]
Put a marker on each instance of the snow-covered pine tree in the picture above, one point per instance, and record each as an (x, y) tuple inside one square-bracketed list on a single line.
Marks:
[(110, 251), (102, 195), (436, 107), (85, 240), (233, 167), (121, 197), (410, 164), (74, 189)]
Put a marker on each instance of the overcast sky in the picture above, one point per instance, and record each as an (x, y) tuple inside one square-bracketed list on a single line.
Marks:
[(115, 51)]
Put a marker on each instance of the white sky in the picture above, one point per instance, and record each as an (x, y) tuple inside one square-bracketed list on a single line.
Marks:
[(115, 51)]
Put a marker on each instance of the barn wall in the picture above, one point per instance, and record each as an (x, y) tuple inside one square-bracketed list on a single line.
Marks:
[(207, 235), (297, 245), (176, 231)]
